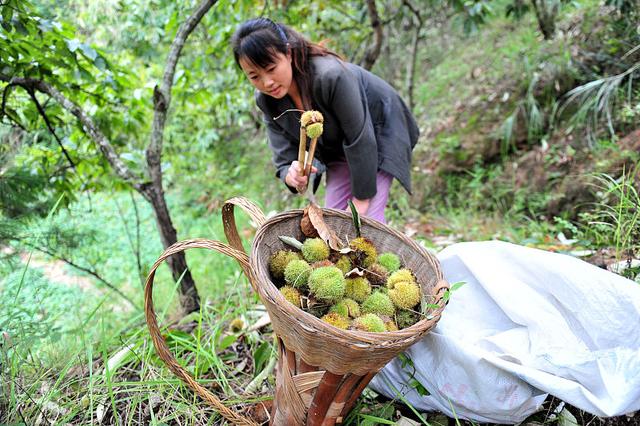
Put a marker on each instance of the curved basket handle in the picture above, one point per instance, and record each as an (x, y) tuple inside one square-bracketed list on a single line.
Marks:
[(229, 220), (158, 341), (231, 230)]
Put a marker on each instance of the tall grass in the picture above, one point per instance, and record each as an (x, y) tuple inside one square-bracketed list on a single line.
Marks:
[(615, 219), (596, 100)]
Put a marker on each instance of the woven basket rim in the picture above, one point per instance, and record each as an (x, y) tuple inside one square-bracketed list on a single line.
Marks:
[(367, 338)]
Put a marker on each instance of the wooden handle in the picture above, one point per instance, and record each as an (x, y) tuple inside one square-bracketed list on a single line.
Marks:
[(302, 149), (301, 157), (312, 150)]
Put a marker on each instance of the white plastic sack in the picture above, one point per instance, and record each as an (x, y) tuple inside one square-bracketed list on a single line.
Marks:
[(527, 323)]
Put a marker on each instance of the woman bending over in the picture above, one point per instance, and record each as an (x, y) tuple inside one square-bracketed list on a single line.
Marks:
[(369, 133)]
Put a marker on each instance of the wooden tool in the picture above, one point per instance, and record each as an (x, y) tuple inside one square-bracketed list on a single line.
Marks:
[(311, 125)]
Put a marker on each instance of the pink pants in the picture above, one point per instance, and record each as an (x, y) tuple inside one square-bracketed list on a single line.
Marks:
[(338, 191)]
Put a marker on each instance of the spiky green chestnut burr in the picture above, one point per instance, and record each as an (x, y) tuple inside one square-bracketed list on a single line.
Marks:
[(390, 261), (327, 284), (391, 325), (314, 130), (405, 294), (336, 320), (297, 273), (315, 250), (310, 117), (291, 294), (378, 303), (400, 275), (357, 289), (348, 308), (344, 264), (279, 261), (369, 322)]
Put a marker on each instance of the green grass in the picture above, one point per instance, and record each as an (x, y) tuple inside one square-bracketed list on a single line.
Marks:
[(614, 220), (497, 50), (81, 380)]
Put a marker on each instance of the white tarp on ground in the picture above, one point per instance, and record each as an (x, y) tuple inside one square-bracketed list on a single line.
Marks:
[(527, 323)]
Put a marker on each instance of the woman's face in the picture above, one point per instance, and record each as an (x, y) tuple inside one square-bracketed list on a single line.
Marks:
[(273, 80)]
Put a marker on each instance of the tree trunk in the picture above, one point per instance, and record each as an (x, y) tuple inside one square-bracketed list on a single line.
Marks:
[(546, 12), (411, 65), (373, 51), (190, 300), (161, 101)]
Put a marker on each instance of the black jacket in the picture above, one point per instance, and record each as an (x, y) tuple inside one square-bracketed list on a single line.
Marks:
[(365, 121)]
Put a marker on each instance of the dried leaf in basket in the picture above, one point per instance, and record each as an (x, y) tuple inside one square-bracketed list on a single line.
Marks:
[(354, 273), (306, 226), (326, 233)]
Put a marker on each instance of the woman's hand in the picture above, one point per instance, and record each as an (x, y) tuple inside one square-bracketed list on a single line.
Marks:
[(361, 205), (295, 178)]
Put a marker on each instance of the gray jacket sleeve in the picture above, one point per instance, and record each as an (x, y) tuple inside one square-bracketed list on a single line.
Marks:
[(284, 149), (341, 88)]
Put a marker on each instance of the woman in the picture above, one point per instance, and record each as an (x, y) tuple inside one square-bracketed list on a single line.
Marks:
[(369, 132)]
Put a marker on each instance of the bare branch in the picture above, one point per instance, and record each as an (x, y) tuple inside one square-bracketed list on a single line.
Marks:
[(374, 50), (413, 10), (89, 126), (161, 102), (414, 52), (3, 110), (546, 13), (44, 116), (162, 94), (137, 246), (83, 269)]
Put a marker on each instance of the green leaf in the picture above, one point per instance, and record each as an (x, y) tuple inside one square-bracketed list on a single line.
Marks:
[(377, 420), (405, 360), (566, 418), (7, 13), (88, 51), (226, 342), (260, 357), (454, 287), (457, 285), (414, 383), (291, 241), (73, 44), (100, 63), (356, 218)]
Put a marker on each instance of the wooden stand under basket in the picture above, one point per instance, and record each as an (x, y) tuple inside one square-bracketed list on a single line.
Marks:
[(313, 396), (321, 369)]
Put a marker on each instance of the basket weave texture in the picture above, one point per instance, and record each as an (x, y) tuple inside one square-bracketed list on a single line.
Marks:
[(323, 345), (321, 369)]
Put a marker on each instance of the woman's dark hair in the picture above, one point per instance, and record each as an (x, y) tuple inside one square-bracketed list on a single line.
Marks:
[(260, 39)]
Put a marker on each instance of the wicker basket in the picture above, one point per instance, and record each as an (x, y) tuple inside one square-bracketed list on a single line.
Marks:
[(321, 369)]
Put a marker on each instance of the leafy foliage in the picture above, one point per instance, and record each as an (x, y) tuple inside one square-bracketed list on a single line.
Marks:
[(21, 193)]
